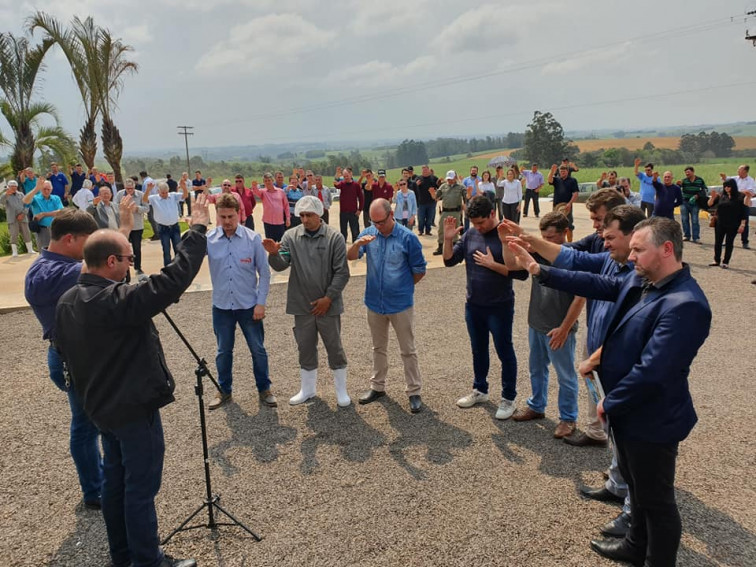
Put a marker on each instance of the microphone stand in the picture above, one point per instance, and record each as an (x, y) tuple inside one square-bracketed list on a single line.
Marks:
[(211, 501)]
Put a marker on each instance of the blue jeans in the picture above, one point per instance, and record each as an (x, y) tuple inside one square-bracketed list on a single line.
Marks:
[(688, 211), (224, 326), (85, 438), (169, 235), (426, 214), (564, 364), (496, 320), (133, 470)]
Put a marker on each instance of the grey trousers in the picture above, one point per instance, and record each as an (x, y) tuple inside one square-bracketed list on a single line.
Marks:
[(306, 331)]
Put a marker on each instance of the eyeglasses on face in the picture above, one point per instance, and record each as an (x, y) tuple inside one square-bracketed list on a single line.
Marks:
[(382, 221), (128, 257)]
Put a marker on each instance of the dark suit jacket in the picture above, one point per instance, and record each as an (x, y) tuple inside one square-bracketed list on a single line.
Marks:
[(647, 352)]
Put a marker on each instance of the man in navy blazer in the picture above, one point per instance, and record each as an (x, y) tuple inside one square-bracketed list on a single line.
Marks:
[(659, 321)]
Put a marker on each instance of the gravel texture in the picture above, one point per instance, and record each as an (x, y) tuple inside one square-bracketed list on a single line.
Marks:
[(374, 485)]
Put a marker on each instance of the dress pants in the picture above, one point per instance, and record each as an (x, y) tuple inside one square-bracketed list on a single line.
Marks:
[(649, 469), (404, 327)]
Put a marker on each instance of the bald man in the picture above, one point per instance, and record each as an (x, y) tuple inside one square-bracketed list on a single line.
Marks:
[(117, 366)]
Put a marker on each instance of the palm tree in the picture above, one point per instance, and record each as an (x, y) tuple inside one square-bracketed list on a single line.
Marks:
[(20, 66), (79, 46), (113, 68)]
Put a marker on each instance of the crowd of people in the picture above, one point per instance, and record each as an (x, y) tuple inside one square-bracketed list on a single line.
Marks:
[(646, 316)]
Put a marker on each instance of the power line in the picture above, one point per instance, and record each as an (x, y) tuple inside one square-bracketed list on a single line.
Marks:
[(516, 67)]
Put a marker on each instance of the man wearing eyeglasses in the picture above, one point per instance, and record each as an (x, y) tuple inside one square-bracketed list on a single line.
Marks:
[(395, 264), (118, 369), (226, 190)]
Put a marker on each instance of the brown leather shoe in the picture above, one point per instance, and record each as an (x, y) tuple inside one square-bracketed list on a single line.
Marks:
[(527, 414), (582, 440), (268, 399), (564, 429), (220, 399)]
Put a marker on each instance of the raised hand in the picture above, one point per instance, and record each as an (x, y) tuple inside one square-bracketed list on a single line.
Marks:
[(367, 239), (524, 259), (450, 228), (200, 213), (508, 228)]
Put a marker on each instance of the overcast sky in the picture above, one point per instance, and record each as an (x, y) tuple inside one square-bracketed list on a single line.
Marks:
[(276, 71)]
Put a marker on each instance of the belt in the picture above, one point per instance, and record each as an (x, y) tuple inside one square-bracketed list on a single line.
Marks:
[(445, 210)]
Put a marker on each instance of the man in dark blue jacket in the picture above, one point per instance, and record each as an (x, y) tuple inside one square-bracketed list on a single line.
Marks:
[(109, 342), (660, 319)]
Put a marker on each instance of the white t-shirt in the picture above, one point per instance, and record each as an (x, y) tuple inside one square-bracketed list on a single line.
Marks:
[(486, 187)]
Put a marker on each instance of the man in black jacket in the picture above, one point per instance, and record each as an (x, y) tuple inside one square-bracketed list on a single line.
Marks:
[(118, 370)]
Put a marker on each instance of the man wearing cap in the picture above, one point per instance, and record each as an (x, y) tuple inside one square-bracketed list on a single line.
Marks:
[(533, 183), (12, 200), (241, 279), (451, 195), (316, 254), (381, 188), (395, 264)]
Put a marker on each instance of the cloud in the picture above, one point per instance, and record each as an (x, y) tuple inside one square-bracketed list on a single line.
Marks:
[(268, 41), (615, 54), (135, 35), (382, 73), (377, 18)]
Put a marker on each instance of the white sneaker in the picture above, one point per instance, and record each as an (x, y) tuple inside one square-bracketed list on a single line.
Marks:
[(470, 400), (506, 409)]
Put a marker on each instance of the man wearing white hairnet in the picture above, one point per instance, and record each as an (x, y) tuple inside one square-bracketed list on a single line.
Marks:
[(316, 254)]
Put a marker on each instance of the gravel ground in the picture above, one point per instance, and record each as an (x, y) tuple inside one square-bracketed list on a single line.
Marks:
[(374, 485)]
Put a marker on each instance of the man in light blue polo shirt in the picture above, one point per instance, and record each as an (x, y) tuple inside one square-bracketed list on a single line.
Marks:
[(241, 280), (395, 263), (647, 191), (165, 207), (45, 206)]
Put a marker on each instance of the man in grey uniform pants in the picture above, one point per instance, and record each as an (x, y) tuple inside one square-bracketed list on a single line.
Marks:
[(319, 273)]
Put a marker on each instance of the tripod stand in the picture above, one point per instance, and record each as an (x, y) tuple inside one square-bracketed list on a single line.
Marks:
[(211, 500)]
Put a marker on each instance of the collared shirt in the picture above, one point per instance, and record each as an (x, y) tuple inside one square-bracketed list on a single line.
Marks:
[(41, 205), (392, 262), (533, 180), (14, 205), (745, 184), (597, 311), (351, 199), (198, 183), (49, 277), (77, 180), (59, 182), (484, 286), (141, 207), (214, 200), (146, 185), (385, 192), (691, 189), (293, 194), (29, 184), (238, 268), (166, 210), (512, 191), (318, 268), (83, 199), (423, 187), (247, 199), (647, 191), (275, 205), (324, 194), (564, 189), (452, 196)]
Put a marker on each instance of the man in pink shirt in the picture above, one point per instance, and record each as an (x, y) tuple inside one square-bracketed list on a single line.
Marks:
[(248, 199), (276, 215)]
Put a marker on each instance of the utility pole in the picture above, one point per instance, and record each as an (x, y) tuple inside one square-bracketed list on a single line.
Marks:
[(750, 36), (186, 135)]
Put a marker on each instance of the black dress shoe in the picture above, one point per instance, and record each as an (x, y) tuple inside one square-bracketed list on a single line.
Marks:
[(93, 504), (415, 403), (169, 561), (600, 494), (370, 396), (618, 551), (618, 527)]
